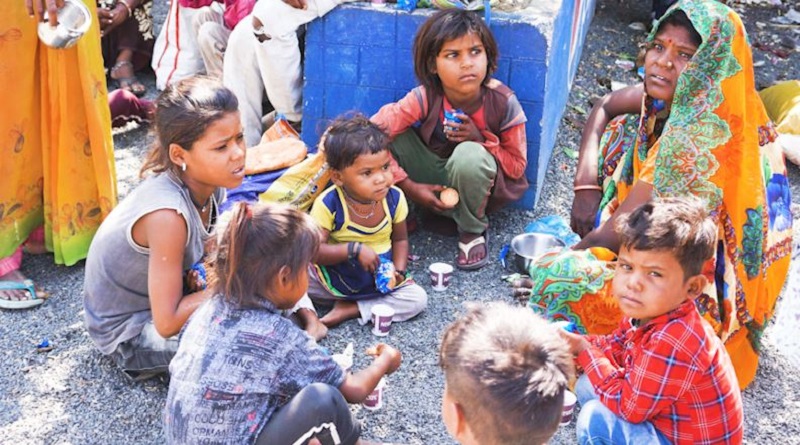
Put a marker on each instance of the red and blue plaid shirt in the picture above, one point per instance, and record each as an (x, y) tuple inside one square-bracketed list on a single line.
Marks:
[(673, 372)]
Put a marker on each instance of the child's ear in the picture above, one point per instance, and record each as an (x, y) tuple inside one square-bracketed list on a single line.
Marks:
[(336, 177), (177, 154), (695, 285), (284, 275)]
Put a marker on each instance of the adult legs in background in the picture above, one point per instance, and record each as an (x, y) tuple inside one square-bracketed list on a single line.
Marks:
[(241, 75), (212, 38), (59, 156)]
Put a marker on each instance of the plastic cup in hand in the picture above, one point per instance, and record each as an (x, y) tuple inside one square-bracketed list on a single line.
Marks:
[(441, 275), (569, 407), (381, 319), (374, 400)]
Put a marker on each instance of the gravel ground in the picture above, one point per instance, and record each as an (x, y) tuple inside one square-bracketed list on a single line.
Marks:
[(72, 394)]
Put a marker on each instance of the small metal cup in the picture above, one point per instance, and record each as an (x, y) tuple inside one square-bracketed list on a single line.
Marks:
[(528, 247), (74, 19)]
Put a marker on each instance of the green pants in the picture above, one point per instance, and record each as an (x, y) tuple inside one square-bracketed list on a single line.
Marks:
[(470, 170)]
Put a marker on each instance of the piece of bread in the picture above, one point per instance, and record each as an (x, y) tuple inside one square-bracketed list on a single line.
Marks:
[(449, 196), (274, 155)]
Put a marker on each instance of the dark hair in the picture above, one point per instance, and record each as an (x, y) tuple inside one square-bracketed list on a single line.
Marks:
[(678, 225), (184, 110), (679, 19), (507, 368), (441, 27), (347, 138), (258, 241)]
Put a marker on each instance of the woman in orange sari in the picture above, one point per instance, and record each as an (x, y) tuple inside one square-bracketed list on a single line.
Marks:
[(57, 168), (695, 127)]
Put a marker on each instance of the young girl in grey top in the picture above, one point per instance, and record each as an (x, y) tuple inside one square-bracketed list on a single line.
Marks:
[(139, 286)]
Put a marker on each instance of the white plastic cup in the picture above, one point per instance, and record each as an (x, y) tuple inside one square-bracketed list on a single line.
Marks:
[(382, 319), (378, 3), (570, 399), (374, 400), (441, 275)]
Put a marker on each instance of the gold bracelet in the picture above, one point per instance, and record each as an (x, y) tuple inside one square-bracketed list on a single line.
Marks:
[(128, 7), (587, 187)]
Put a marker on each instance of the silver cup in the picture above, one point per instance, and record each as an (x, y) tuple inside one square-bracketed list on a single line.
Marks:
[(74, 19), (528, 247)]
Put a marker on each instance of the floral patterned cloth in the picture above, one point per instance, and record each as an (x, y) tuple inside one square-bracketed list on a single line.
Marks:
[(57, 165), (716, 143)]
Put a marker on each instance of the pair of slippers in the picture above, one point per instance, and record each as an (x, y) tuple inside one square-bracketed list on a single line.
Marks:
[(129, 83), (35, 298)]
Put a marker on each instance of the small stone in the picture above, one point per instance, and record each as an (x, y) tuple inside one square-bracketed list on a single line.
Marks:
[(638, 26), (788, 42)]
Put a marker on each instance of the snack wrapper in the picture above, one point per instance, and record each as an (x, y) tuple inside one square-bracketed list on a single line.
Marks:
[(384, 276)]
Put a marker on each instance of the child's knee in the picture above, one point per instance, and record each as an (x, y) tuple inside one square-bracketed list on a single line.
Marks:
[(323, 399), (419, 297), (471, 158), (594, 424)]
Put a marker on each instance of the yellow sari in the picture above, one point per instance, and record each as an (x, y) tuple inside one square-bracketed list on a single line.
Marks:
[(57, 166)]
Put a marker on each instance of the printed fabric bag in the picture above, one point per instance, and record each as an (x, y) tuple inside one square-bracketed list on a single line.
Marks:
[(300, 184), (176, 55)]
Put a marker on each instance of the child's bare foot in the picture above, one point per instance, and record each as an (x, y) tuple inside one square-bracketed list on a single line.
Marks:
[(316, 329), (312, 324), (341, 312)]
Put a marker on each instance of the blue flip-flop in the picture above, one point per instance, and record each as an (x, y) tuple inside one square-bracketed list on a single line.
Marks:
[(27, 285)]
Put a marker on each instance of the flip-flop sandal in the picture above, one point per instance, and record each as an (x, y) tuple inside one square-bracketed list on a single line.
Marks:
[(466, 248), (34, 300)]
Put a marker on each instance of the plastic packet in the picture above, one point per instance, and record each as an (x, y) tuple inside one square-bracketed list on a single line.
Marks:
[(556, 226), (384, 276)]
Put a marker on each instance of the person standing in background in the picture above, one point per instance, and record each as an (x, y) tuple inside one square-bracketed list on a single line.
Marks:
[(57, 177)]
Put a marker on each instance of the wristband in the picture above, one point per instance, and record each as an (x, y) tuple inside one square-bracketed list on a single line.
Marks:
[(350, 250), (358, 249), (587, 187), (128, 7)]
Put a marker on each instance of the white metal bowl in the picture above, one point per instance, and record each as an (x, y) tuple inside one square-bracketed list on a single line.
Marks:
[(528, 247), (74, 19)]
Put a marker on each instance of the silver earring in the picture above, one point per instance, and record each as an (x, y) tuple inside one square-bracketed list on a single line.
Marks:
[(183, 167)]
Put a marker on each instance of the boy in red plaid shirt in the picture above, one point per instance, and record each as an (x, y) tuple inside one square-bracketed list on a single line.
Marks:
[(663, 376)]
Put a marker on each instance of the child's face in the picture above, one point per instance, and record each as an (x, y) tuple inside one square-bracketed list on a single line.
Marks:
[(217, 157), (650, 283), (368, 178), (664, 62), (461, 67)]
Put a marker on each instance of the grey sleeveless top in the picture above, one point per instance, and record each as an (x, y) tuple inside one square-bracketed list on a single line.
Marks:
[(116, 299)]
